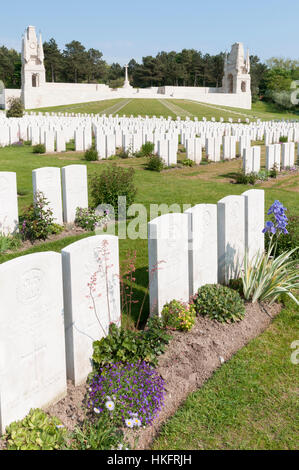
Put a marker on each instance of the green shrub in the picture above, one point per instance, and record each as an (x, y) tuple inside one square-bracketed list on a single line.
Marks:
[(124, 345), (16, 108), (262, 175), (243, 178), (178, 315), (39, 148), (37, 431), (27, 143), (9, 242), (283, 139), (147, 149), (113, 182), (274, 171), (155, 163), (37, 222), (91, 155), (88, 219), (122, 153), (188, 162), (219, 303)]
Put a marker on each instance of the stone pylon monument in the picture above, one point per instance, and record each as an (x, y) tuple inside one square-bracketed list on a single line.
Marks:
[(236, 71), (33, 69)]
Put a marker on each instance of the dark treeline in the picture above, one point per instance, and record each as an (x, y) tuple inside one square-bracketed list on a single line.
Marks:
[(76, 64)]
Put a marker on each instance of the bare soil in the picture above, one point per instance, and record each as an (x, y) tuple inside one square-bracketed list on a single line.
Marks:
[(69, 231)]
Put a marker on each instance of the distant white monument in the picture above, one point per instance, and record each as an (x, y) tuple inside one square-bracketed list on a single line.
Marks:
[(37, 93), (127, 82)]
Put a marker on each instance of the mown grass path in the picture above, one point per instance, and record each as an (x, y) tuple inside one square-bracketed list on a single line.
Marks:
[(176, 109)]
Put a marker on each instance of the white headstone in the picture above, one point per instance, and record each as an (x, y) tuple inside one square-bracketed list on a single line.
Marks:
[(203, 260), (91, 298), (231, 237), (32, 342), (168, 260), (48, 181), (9, 218), (75, 190)]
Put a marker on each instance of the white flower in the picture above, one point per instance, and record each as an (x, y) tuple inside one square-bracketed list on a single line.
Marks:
[(110, 405), (129, 423), (120, 447), (96, 410), (59, 426), (137, 422)]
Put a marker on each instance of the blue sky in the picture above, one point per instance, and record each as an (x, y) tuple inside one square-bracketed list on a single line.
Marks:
[(131, 29)]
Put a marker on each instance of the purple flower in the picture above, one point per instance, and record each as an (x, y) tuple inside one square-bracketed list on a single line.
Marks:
[(281, 221)]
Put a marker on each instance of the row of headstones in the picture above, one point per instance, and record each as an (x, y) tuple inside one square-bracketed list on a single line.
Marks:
[(277, 156), (54, 306), (19, 127), (55, 132), (204, 245), (65, 190)]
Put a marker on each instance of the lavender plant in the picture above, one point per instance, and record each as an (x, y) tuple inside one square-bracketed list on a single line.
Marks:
[(132, 394)]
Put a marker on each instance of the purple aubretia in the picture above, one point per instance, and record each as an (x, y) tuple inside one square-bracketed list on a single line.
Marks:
[(281, 220), (137, 391)]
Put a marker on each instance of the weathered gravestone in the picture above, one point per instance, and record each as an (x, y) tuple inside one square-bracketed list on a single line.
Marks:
[(91, 298), (75, 191), (32, 342), (203, 261), (231, 237), (47, 180), (9, 218), (168, 260)]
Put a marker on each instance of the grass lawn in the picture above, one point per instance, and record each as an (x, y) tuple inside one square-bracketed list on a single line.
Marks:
[(151, 107), (195, 185), (250, 403), (91, 107)]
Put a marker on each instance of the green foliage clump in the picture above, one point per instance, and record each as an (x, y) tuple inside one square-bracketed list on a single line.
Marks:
[(219, 303), (91, 155), (147, 150), (37, 222), (155, 163), (283, 139), (188, 162), (243, 178), (123, 153), (113, 182), (124, 345), (178, 315), (39, 148), (88, 219), (37, 431), (99, 434), (9, 242), (16, 108)]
